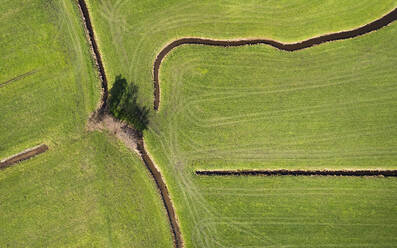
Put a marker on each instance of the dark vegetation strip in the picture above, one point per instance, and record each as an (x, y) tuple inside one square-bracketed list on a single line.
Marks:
[(97, 56), (18, 77), (375, 25), (353, 173), (27, 154), (177, 237)]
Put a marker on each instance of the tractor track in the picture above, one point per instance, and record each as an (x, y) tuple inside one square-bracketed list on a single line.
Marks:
[(290, 47)]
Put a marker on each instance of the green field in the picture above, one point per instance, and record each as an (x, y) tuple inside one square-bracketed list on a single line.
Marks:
[(332, 106), (293, 212), (131, 33), (88, 190), (328, 107)]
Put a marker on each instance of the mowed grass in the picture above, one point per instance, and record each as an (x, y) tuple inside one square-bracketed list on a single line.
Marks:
[(89, 192), (294, 212), (132, 32), (331, 106), (53, 103)]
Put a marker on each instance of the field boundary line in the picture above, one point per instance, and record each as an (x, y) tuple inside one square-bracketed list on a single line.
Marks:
[(350, 173), (24, 155), (290, 47)]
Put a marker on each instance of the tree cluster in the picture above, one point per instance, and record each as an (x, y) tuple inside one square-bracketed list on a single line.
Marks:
[(124, 106)]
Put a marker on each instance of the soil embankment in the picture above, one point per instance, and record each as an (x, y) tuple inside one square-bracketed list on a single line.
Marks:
[(375, 25), (128, 135), (354, 173), (27, 154)]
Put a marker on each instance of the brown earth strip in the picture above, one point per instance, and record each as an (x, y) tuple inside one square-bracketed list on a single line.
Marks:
[(351, 173), (27, 154), (18, 77), (375, 25), (128, 135)]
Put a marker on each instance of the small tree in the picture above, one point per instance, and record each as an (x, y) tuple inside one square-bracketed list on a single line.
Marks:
[(123, 104)]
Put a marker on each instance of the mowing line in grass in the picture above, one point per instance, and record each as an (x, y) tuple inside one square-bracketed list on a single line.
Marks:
[(18, 77), (375, 25)]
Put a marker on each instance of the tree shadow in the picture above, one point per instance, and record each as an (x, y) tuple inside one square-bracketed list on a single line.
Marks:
[(124, 106)]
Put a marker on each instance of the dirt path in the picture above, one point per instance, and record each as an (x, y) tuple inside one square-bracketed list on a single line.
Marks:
[(27, 154), (375, 25), (354, 173), (133, 139)]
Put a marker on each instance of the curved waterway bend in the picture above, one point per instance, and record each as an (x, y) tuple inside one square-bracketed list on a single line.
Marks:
[(375, 25)]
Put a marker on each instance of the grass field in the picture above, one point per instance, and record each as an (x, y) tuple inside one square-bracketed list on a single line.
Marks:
[(296, 212), (88, 190), (327, 107), (331, 106), (54, 102), (131, 33)]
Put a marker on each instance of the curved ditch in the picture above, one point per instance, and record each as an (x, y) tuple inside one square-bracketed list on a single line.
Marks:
[(27, 154), (354, 173), (136, 137), (375, 25)]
